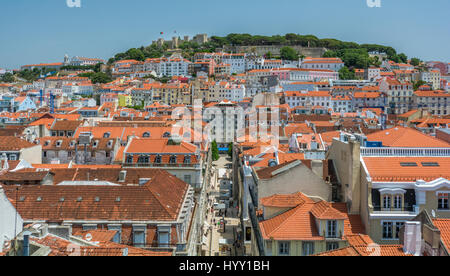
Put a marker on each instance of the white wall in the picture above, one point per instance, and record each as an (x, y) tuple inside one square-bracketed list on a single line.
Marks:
[(7, 219)]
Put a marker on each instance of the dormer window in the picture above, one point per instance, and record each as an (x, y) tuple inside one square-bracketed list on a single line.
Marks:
[(107, 135), (173, 159), (129, 159), (331, 229), (143, 159), (58, 143), (166, 135), (158, 159), (187, 159), (146, 135), (95, 144)]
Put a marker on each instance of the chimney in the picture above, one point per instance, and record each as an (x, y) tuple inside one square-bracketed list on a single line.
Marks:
[(412, 243), (122, 176)]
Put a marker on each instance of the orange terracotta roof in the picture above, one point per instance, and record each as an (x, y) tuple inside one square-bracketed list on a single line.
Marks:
[(158, 146), (406, 137), (10, 143), (326, 210), (444, 226), (395, 250), (390, 169), (285, 201), (299, 224), (160, 198)]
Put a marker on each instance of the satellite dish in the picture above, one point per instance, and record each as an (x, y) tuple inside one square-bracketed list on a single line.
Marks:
[(433, 213)]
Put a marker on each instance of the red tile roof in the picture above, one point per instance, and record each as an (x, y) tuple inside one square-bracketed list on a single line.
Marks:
[(406, 137), (285, 201), (299, 224), (159, 199), (390, 169), (444, 226), (10, 143)]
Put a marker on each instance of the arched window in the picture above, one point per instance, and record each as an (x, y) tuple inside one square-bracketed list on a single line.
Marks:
[(146, 135)]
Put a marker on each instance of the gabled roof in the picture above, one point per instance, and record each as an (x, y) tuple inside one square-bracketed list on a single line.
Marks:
[(10, 143), (269, 172), (66, 125), (285, 201), (299, 223), (160, 199), (326, 210)]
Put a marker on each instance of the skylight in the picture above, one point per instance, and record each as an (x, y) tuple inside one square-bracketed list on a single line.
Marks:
[(430, 164), (408, 164)]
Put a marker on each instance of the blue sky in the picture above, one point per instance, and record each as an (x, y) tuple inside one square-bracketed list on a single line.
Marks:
[(37, 31)]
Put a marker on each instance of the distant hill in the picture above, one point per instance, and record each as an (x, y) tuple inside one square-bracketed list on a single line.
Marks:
[(353, 54)]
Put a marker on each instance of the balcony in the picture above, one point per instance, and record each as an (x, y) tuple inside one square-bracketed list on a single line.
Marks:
[(164, 165), (414, 152), (406, 211)]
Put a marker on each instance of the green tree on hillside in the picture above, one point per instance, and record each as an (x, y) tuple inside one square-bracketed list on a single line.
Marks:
[(8, 77), (346, 74), (415, 62), (288, 53)]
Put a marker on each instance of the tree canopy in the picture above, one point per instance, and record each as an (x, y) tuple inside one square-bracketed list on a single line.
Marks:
[(287, 53)]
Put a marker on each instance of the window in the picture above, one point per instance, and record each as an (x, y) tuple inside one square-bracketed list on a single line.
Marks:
[(387, 202), (398, 225), (331, 229), (387, 230), (283, 248), (269, 248), (146, 135), (332, 246), (398, 201), (129, 159), (443, 201), (164, 236), (88, 227), (118, 237), (158, 159), (143, 159), (187, 159), (173, 159), (307, 248), (408, 164), (430, 164), (139, 236)]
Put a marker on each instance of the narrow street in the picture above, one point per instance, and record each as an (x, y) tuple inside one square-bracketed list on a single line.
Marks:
[(222, 221)]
